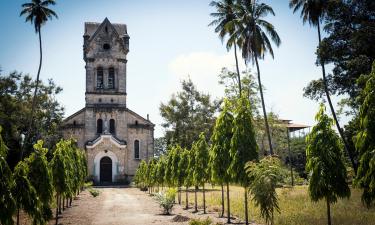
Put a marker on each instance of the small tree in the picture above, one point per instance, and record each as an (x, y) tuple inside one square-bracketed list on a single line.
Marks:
[(25, 195), (160, 171), (201, 170), (168, 176), (325, 163), (59, 173), (183, 172), (243, 147), (220, 152), (177, 180), (40, 178), (264, 177), (190, 179), (7, 202), (365, 142)]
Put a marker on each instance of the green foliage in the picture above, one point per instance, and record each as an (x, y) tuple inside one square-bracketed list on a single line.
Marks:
[(177, 180), (348, 46), (187, 114), (7, 202), (365, 142), (220, 159), (243, 144), (265, 177), (325, 161), (160, 146), (166, 199), (168, 176), (206, 221), (201, 170), (40, 178), (183, 166), (141, 175), (16, 92), (25, 194), (250, 88), (160, 170), (94, 192)]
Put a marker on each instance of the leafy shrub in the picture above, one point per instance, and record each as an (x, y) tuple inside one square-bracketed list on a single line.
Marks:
[(206, 221), (166, 200), (94, 192), (88, 184)]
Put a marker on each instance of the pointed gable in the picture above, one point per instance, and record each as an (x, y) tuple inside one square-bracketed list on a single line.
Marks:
[(106, 32)]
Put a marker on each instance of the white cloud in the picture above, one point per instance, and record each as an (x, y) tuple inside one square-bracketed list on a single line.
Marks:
[(203, 68)]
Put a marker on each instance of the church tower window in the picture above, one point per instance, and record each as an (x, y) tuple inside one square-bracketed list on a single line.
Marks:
[(99, 78), (136, 149), (112, 128), (111, 78), (99, 126)]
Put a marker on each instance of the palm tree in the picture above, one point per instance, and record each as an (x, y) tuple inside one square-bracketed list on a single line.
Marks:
[(223, 16), (313, 11), (37, 13), (254, 33)]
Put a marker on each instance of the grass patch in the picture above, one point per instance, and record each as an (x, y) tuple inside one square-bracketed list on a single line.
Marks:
[(296, 208)]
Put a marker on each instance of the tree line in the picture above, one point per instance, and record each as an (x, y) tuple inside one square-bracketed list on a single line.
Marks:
[(220, 160), (36, 184)]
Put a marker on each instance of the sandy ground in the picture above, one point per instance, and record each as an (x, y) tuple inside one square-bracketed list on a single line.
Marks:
[(124, 206)]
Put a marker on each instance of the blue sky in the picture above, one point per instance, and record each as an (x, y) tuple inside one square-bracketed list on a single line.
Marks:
[(169, 40)]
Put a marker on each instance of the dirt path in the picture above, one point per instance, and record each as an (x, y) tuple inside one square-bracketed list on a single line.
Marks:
[(123, 206)]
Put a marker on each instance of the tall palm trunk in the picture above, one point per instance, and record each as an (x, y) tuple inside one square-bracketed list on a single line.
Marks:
[(346, 145), (238, 71), (263, 105), (228, 203), (35, 91)]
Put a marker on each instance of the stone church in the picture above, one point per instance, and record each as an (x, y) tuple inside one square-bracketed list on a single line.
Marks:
[(114, 137)]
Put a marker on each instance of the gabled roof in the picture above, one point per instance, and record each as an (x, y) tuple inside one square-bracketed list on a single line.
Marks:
[(139, 116), (93, 28), (74, 114)]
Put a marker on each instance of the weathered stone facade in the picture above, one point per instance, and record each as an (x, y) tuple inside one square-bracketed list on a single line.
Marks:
[(114, 137)]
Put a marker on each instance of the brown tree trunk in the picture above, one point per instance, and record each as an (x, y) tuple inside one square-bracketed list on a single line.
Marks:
[(28, 135), (246, 208), (228, 203), (195, 199), (328, 212), (222, 201), (238, 71), (57, 209), (18, 216), (204, 200), (263, 105), (346, 144), (187, 198), (59, 205), (290, 156)]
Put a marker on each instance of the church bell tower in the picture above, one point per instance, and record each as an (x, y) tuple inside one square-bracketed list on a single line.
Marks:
[(105, 48)]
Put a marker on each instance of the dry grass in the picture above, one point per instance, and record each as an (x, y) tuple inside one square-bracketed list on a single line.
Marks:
[(295, 207)]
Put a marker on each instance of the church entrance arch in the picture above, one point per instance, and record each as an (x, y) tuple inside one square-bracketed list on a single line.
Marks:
[(105, 170)]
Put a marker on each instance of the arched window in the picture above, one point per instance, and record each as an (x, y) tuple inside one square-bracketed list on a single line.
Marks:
[(111, 78), (99, 126), (112, 128), (99, 78), (136, 149)]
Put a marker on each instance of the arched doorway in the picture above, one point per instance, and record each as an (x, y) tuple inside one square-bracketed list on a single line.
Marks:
[(105, 169)]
